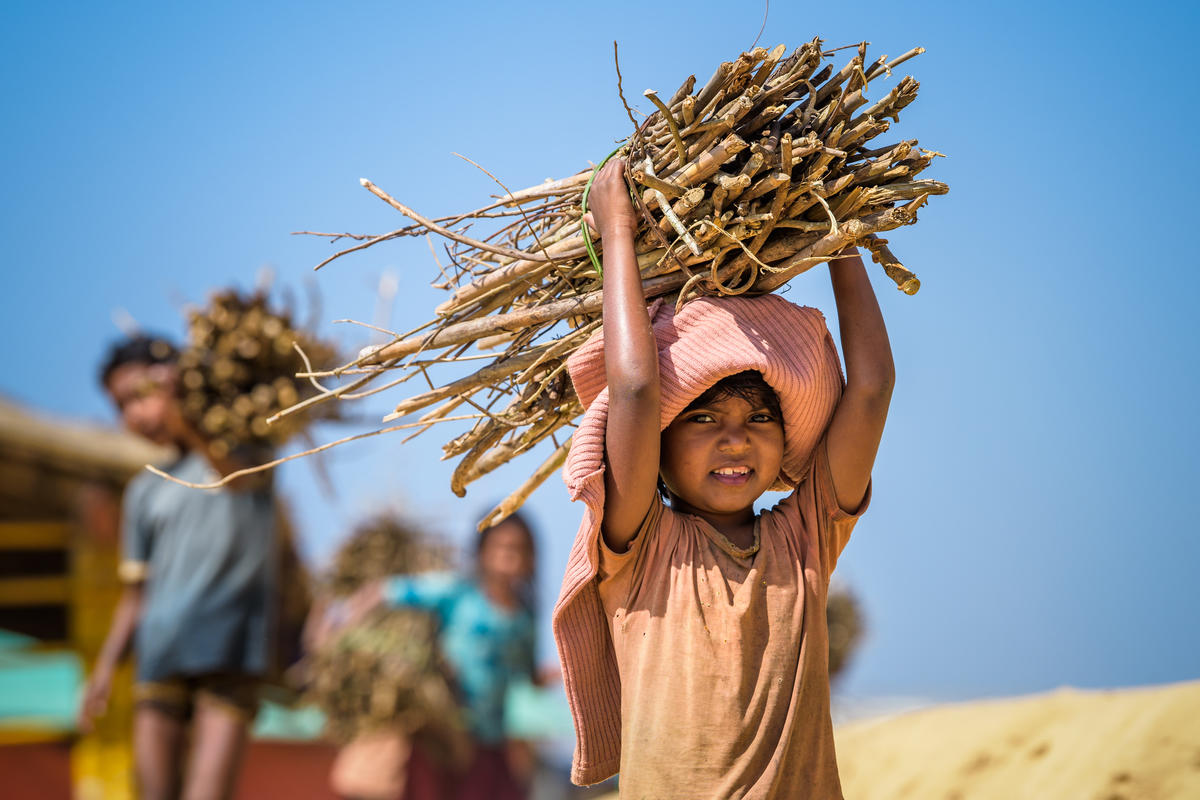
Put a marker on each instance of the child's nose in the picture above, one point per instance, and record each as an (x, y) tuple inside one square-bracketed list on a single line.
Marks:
[(734, 438)]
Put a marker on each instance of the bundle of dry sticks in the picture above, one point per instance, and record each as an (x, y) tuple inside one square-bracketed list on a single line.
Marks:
[(239, 368), (767, 170), (386, 544), (845, 624), (387, 671)]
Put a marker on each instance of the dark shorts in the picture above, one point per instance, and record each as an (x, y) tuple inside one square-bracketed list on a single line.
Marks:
[(178, 697)]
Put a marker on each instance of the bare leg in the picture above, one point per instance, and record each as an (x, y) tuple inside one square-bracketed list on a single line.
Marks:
[(157, 753), (218, 742)]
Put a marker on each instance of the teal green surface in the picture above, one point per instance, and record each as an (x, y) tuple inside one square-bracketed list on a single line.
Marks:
[(41, 690), (37, 689), (288, 724), (533, 712)]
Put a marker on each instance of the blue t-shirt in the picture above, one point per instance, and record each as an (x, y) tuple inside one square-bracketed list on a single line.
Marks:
[(209, 565), (489, 648)]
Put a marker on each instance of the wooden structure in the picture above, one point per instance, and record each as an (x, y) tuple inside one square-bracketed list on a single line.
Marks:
[(60, 490), (60, 495)]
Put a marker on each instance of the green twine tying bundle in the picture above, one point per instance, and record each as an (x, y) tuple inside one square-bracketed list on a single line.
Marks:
[(587, 236)]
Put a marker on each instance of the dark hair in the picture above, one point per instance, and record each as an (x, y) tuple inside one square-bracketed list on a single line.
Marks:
[(748, 385), (516, 517), (140, 349)]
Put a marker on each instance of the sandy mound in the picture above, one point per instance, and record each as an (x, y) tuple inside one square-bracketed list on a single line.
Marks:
[(1112, 745)]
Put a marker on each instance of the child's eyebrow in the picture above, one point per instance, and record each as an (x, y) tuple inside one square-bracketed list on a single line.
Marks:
[(713, 408)]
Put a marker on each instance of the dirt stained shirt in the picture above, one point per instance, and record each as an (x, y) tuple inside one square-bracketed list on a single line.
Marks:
[(723, 651)]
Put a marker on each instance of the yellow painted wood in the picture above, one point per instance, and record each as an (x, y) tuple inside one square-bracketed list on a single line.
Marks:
[(14, 732), (101, 761), (34, 535), (102, 769), (42, 590)]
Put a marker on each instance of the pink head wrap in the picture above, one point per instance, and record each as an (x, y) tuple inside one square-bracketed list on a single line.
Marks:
[(707, 340)]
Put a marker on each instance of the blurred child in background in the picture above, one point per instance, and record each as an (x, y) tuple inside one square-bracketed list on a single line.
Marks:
[(199, 569), (486, 634)]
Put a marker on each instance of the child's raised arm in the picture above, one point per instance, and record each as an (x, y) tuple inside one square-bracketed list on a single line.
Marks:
[(857, 424), (631, 364)]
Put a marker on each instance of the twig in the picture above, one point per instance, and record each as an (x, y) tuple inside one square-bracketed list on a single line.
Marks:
[(665, 207), (449, 234), (364, 245), (367, 325), (319, 398), (241, 473), (499, 183), (436, 261), (333, 237), (680, 148), (916, 51), (620, 91), (308, 367), (763, 27), (905, 280), (843, 47), (330, 373)]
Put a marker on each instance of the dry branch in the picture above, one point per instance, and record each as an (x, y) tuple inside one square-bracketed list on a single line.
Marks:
[(769, 169), (240, 369)]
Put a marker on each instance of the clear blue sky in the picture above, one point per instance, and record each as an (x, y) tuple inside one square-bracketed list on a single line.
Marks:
[(1034, 517)]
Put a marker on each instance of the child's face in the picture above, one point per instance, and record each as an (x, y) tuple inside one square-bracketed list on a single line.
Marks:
[(145, 396), (507, 552), (719, 458)]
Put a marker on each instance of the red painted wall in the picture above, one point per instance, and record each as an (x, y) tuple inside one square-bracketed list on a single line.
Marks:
[(293, 770), (36, 771)]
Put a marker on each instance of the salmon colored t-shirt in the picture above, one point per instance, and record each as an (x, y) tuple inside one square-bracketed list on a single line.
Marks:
[(723, 652)]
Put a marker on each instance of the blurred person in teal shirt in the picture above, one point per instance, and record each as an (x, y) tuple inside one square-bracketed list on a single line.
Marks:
[(487, 633)]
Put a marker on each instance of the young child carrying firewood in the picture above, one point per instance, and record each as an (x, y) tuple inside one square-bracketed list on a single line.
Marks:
[(200, 572), (691, 629)]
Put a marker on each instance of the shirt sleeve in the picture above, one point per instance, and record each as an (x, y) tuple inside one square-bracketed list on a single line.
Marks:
[(136, 534), (619, 573), (833, 523), (431, 591), (612, 562)]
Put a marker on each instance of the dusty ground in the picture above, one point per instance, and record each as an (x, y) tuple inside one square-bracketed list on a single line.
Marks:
[(1127, 744), (1130, 744)]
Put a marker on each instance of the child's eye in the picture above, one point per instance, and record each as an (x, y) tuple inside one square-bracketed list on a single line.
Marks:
[(146, 389), (762, 416), (700, 418)]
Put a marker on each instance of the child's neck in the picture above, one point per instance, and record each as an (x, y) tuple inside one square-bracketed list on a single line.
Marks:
[(737, 526), (499, 591)]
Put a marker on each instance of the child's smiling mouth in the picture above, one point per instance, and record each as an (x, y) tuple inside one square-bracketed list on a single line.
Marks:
[(735, 476)]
